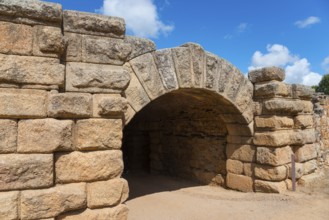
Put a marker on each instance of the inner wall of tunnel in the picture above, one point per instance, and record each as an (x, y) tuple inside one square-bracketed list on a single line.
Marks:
[(180, 134)]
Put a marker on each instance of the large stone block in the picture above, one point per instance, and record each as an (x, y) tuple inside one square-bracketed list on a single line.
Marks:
[(306, 152), (244, 99), (93, 24), (309, 167), (15, 38), (211, 74), (147, 73), (274, 156), (95, 78), (266, 74), (302, 92), (48, 41), (234, 166), (107, 193), (44, 135), (31, 12), (69, 105), (236, 80), (274, 122), (109, 105), (183, 65), (270, 187), (304, 121), (271, 173), (312, 179), (225, 70), (76, 166), (26, 171), (31, 70), (96, 134), (119, 212), (299, 170), (239, 182), (47, 203), (9, 205), (246, 153), (271, 89), (287, 107), (22, 103), (74, 47), (104, 50), (8, 136), (139, 46)]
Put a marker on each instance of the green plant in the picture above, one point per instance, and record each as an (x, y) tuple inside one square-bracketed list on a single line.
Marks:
[(324, 85)]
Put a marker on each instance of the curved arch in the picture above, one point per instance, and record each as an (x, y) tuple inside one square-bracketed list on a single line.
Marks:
[(189, 67)]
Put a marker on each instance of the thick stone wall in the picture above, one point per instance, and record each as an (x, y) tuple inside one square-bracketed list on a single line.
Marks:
[(70, 82)]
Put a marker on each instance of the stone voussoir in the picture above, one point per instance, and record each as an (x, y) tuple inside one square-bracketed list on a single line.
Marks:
[(139, 46)]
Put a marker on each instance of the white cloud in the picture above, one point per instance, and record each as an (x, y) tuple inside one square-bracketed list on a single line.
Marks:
[(141, 16), (297, 69), (307, 22), (242, 27), (325, 64)]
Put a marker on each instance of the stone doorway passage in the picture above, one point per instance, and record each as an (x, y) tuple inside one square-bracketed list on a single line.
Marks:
[(181, 134)]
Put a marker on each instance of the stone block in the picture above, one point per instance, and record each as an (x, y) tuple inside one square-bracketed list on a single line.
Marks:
[(240, 130), (287, 107), (266, 74), (98, 134), (26, 171), (270, 187), (244, 99), (104, 50), (165, 64), (225, 70), (236, 80), (135, 93), (139, 46), (44, 135), (302, 92), (31, 12), (129, 115), (109, 105), (271, 89), (271, 173), (74, 47), (147, 73), (48, 41), (239, 182), (8, 136), (234, 166), (47, 203), (69, 105), (96, 78), (9, 205), (15, 38), (304, 121), (22, 103), (211, 74), (31, 70), (76, 166), (273, 122), (245, 153), (119, 212), (93, 24), (274, 156), (299, 170), (300, 137), (249, 169), (107, 193), (311, 180), (310, 167), (306, 152), (183, 65)]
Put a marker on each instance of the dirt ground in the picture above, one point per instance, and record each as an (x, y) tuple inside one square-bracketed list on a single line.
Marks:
[(155, 197)]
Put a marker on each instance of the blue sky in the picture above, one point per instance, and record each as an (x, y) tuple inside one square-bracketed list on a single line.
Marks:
[(293, 34)]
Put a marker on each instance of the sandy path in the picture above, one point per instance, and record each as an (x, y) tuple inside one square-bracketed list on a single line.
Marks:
[(167, 198)]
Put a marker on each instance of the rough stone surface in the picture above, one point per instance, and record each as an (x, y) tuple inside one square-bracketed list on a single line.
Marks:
[(46, 203), (104, 50), (48, 41), (22, 103), (182, 59), (69, 105), (309, 167), (20, 171), (96, 134), (239, 130), (302, 92), (311, 180), (198, 63), (105, 165), (304, 121), (246, 153), (9, 205), (288, 107), (271, 173), (31, 12), (139, 46), (211, 75), (44, 135), (266, 74), (239, 182), (95, 78), (274, 156), (274, 122), (31, 70), (107, 193), (270, 187), (306, 152), (249, 169), (299, 170), (8, 136), (15, 38), (244, 99), (119, 212), (234, 166), (271, 89), (74, 47), (93, 24), (109, 105)]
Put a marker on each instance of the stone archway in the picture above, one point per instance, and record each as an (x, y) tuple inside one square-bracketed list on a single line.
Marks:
[(189, 73)]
